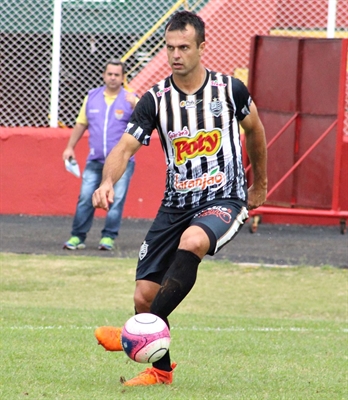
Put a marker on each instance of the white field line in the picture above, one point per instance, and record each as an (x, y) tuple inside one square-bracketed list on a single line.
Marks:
[(193, 328)]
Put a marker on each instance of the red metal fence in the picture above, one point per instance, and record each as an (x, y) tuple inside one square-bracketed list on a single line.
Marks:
[(298, 85)]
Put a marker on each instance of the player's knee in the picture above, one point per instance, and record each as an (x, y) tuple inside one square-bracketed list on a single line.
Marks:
[(195, 240)]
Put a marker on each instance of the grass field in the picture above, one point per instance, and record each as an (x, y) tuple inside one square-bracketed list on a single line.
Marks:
[(244, 332)]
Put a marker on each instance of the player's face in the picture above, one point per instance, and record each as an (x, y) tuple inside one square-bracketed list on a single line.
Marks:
[(184, 56), (113, 77)]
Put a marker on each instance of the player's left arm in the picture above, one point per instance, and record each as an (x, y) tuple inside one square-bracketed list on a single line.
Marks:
[(256, 147)]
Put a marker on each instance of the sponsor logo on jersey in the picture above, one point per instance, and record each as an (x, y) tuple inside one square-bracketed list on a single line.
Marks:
[(94, 111), (184, 132), (205, 143), (119, 114), (189, 103), (143, 250), (216, 83), (161, 92), (216, 107), (214, 180), (217, 211)]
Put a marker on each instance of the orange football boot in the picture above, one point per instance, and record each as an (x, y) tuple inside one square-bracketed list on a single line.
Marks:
[(151, 376), (109, 337)]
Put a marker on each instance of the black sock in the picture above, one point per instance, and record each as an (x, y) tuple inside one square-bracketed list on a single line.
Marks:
[(163, 363), (176, 284)]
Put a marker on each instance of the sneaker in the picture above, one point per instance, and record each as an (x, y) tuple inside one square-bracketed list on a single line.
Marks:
[(109, 337), (151, 376), (74, 243), (106, 243)]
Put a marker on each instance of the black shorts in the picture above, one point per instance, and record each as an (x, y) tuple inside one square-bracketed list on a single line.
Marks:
[(221, 220)]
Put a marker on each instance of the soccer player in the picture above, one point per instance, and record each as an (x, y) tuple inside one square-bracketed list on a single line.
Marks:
[(197, 113)]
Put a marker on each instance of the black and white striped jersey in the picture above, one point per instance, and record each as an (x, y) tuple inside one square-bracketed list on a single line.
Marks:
[(200, 138)]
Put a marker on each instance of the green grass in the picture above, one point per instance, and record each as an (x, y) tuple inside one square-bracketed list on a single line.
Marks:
[(244, 332)]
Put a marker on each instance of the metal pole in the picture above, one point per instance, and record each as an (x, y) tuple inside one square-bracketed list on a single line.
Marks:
[(55, 63), (331, 19)]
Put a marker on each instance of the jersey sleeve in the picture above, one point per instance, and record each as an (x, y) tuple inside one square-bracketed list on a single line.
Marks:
[(242, 99), (143, 120)]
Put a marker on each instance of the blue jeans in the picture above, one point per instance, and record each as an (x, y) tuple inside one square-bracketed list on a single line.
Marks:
[(91, 178)]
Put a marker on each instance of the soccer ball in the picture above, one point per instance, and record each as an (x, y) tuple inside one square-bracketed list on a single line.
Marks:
[(145, 338)]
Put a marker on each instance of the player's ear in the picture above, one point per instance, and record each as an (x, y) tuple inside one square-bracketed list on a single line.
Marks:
[(201, 48)]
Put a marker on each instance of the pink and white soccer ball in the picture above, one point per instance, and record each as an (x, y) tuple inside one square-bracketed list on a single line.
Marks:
[(145, 338)]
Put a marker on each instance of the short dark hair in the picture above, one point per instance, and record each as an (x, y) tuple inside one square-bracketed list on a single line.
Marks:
[(115, 61), (180, 19)]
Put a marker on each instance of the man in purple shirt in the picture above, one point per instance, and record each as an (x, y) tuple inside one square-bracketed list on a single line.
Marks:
[(105, 112)]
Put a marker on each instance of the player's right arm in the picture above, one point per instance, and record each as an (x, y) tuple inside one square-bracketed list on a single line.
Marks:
[(115, 166)]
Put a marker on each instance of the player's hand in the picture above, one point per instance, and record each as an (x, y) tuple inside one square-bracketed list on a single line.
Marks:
[(256, 196), (103, 196)]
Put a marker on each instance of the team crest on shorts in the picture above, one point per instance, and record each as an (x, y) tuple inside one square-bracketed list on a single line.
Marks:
[(216, 107), (143, 250)]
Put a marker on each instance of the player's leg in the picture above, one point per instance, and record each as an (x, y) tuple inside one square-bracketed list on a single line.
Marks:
[(221, 223), (158, 247), (157, 253), (114, 215), (159, 257), (188, 245), (162, 370), (170, 284), (211, 228), (145, 292), (205, 231), (182, 273), (84, 214), (177, 283)]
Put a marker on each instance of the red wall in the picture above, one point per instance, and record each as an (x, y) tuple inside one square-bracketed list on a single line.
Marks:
[(33, 179)]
